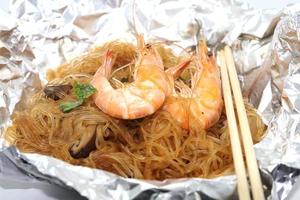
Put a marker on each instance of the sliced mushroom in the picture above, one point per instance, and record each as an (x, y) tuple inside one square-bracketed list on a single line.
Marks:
[(86, 144), (56, 92)]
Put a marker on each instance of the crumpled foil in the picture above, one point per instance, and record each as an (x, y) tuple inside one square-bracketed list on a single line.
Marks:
[(38, 35)]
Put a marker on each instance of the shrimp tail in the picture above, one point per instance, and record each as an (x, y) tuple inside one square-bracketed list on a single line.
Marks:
[(177, 70), (202, 50), (104, 71), (106, 67), (202, 60), (108, 63)]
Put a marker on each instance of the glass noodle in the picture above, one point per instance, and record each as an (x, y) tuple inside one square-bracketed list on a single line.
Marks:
[(154, 147)]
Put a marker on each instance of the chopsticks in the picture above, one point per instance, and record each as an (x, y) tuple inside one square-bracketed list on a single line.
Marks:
[(236, 147), (228, 67)]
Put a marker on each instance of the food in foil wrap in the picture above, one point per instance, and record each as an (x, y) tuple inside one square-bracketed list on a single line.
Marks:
[(63, 30)]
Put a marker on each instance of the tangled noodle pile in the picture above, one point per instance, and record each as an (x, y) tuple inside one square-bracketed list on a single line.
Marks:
[(154, 147)]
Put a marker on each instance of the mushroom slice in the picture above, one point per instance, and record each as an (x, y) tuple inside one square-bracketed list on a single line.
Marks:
[(56, 92), (82, 148)]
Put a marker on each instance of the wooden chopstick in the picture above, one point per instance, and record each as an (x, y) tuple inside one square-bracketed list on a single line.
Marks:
[(255, 181), (239, 165)]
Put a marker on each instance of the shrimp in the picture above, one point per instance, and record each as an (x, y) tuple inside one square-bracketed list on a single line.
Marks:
[(200, 105), (140, 98)]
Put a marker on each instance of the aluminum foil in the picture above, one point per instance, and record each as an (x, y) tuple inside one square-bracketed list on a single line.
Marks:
[(39, 35)]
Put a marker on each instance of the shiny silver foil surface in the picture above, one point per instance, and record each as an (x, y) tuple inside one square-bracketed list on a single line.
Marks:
[(39, 35)]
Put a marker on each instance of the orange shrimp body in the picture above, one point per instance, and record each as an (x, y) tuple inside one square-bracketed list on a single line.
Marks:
[(143, 96), (202, 105)]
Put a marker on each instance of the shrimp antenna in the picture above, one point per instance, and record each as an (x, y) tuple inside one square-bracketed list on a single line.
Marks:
[(169, 42), (181, 47), (120, 68)]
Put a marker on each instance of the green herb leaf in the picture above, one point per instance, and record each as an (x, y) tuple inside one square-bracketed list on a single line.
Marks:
[(70, 105), (83, 91)]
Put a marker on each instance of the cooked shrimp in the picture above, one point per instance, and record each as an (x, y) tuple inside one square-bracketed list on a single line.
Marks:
[(143, 96), (200, 105)]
